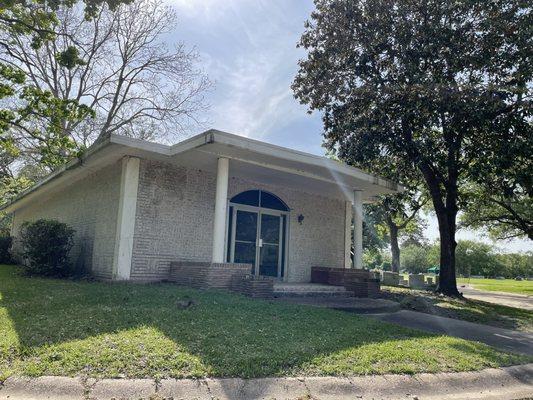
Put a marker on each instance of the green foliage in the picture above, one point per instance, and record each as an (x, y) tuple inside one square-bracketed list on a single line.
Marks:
[(376, 259), (46, 246), (70, 58), (5, 248), (374, 236), (475, 258), (426, 85), (23, 103), (415, 259), (515, 264), (503, 211), (472, 258)]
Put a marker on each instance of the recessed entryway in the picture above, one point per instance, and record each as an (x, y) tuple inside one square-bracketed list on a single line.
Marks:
[(257, 232)]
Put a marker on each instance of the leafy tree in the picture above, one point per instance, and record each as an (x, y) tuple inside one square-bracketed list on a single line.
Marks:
[(399, 216), (414, 259), (428, 85), (22, 104), (516, 264), (504, 214), (121, 68), (501, 188), (84, 70), (475, 258)]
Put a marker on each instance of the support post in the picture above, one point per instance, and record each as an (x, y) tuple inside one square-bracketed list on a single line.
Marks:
[(221, 197), (127, 207), (357, 229), (348, 235)]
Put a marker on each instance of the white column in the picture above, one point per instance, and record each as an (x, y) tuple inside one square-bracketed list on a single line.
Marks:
[(221, 197), (348, 235), (127, 207), (357, 229)]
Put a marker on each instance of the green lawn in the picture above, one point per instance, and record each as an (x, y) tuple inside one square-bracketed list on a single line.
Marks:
[(465, 309), (497, 285), (53, 327)]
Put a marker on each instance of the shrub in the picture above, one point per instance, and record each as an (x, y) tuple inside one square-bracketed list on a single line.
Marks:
[(5, 247), (46, 245), (386, 266)]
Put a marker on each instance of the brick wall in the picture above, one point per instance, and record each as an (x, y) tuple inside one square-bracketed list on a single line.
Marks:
[(89, 206), (228, 276), (205, 275), (174, 221)]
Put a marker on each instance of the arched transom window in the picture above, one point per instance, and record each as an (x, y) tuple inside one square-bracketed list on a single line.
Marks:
[(260, 198)]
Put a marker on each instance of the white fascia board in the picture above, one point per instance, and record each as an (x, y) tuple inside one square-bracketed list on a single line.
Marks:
[(140, 144), (229, 139), (299, 156)]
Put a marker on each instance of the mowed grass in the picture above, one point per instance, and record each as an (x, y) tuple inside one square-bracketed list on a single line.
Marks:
[(53, 327), (480, 312), (497, 285)]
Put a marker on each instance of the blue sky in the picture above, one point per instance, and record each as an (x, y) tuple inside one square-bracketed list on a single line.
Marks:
[(248, 49)]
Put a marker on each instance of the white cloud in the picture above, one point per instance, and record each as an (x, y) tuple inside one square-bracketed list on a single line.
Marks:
[(249, 51)]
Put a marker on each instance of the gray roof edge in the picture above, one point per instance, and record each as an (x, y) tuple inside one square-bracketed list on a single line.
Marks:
[(201, 139), (97, 146), (308, 158)]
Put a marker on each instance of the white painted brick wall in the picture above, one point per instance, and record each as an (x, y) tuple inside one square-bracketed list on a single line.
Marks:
[(90, 207), (174, 221)]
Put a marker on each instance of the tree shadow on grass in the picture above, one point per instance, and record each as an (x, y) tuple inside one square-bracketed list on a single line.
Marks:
[(465, 309), (117, 329)]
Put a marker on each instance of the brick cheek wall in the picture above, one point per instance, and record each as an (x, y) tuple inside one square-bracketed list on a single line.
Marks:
[(90, 206), (205, 275), (174, 221)]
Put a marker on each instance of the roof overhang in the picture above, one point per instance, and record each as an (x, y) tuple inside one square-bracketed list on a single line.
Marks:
[(249, 159)]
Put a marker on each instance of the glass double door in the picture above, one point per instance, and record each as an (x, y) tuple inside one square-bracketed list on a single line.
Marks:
[(257, 239)]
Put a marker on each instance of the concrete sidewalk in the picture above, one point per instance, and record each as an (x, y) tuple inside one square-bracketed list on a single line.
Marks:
[(505, 383), (505, 299), (504, 339)]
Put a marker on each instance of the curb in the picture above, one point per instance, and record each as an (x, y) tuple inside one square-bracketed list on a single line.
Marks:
[(504, 383)]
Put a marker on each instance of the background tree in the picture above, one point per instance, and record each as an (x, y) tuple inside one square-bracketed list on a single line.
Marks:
[(124, 71), (416, 259), (428, 84), (32, 19), (121, 69), (399, 216), (105, 69)]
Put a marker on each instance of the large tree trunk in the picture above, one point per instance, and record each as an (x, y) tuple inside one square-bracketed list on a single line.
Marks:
[(445, 205), (394, 247), (447, 279)]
